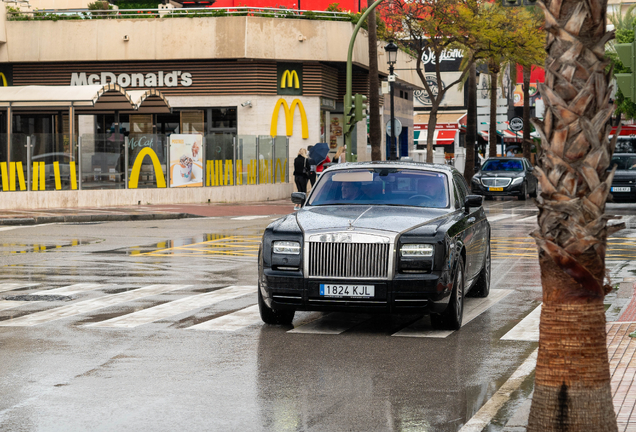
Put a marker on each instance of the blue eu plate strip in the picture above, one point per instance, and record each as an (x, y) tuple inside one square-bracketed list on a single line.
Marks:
[(322, 289)]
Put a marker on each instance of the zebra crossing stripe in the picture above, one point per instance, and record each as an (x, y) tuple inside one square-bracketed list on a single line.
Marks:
[(532, 218), (527, 329), (232, 322), (88, 306), (176, 307), (500, 217), (10, 304), (473, 307), (333, 323), (68, 290), (12, 286)]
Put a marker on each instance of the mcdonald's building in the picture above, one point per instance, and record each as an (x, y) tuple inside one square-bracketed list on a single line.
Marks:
[(252, 90)]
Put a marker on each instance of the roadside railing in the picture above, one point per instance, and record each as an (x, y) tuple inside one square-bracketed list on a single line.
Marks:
[(15, 14), (48, 162)]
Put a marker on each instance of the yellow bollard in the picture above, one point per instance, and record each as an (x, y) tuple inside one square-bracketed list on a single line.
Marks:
[(72, 175), (11, 176), (42, 176), (219, 172), (5, 174), (21, 176), (229, 175), (58, 180), (209, 173)]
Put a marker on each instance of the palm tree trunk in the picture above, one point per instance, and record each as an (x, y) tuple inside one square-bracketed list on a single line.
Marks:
[(492, 132), (375, 126), (572, 382), (471, 124)]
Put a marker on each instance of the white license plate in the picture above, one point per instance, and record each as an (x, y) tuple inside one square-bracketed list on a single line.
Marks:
[(352, 291), (620, 189)]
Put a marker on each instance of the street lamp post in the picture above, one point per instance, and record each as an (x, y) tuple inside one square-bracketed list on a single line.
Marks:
[(391, 49)]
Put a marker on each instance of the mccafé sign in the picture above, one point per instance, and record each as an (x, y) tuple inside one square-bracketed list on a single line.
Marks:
[(159, 79)]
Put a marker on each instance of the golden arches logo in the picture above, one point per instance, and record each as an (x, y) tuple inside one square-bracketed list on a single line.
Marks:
[(289, 117), (136, 169), (289, 77), (4, 80)]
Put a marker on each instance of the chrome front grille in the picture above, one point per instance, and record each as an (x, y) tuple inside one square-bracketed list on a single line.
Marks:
[(349, 260), (495, 181)]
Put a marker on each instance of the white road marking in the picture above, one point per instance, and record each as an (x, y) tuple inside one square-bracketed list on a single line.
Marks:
[(88, 306), (500, 217), (527, 329), (249, 217), (9, 228), (13, 286), (532, 218), (176, 307), (487, 412), (10, 304), (473, 307), (232, 322), (333, 323), (68, 290)]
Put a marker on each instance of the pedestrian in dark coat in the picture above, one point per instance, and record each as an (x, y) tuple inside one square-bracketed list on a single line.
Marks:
[(301, 170)]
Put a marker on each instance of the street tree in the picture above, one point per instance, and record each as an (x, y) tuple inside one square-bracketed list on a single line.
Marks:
[(572, 381), (500, 38), (419, 26)]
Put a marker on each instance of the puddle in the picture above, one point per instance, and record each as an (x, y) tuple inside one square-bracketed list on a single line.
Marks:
[(217, 244), (7, 249)]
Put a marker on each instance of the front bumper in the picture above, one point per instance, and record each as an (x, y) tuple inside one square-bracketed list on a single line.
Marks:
[(623, 196), (405, 294), (510, 190)]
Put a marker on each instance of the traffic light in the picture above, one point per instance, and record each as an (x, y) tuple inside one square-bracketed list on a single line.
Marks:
[(627, 55), (350, 113), (360, 107)]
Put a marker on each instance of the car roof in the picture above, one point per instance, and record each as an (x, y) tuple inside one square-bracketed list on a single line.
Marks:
[(393, 164)]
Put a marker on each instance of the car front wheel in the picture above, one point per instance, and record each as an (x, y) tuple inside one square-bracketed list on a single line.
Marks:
[(271, 316), (451, 318)]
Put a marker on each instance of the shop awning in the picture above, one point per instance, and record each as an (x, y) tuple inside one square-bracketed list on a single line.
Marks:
[(91, 98), (508, 135), (442, 117), (441, 136)]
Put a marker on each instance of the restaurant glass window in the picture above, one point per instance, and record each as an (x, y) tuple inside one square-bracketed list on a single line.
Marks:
[(265, 159), (246, 158), (219, 155)]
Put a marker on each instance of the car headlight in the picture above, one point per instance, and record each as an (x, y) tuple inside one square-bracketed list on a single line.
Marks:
[(517, 180), (476, 180), (286, 247), (416, 250)]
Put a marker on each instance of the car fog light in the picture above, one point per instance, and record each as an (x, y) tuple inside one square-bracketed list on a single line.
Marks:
[(416, 250), (286, 247), (517, 180)]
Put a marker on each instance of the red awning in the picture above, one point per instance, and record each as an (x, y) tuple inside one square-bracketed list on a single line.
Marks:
[(445, 137)]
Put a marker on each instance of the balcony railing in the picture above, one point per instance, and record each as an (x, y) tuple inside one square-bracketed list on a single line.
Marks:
[(14, 14)]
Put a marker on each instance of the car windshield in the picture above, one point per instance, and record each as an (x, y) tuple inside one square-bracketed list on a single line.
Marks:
[(382, 186), (624, 162), (502, 165)]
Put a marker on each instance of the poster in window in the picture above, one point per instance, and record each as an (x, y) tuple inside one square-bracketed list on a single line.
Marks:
[(186, 160), (336, 136)]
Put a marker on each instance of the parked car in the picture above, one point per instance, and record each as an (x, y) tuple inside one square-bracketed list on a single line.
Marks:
[(386, 237), (505, 176), (624, 182)]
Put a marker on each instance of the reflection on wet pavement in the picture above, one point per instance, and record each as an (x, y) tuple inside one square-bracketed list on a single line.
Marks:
[(618, 248), (22, 248), (245, 245)]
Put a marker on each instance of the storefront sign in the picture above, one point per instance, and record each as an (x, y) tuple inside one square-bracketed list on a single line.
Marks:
[(159, 79), (289, 117), (336, 137), (186, 160), (453, 97), (290, 78), (327, 103), (140, 141), (449, 60)]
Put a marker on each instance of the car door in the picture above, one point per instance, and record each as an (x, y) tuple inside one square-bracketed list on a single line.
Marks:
[(469, 236)]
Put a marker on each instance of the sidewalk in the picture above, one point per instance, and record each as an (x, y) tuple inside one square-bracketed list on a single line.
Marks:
[(143, 212), (622, 358)]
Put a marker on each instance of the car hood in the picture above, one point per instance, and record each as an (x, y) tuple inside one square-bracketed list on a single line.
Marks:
[(385, 218)]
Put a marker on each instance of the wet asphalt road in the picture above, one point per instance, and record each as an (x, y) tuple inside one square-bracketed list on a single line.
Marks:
[(94, 358)]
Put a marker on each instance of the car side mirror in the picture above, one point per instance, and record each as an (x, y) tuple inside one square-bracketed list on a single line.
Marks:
[(473, 201), (298, 197)]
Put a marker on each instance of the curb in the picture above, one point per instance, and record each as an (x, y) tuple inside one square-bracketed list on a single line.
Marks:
[(95, 218)]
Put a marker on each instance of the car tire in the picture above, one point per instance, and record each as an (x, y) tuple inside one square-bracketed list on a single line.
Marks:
[(271, 316), (489, 197), (451, 318), (482, 286), (535, 192), (524, 192)]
